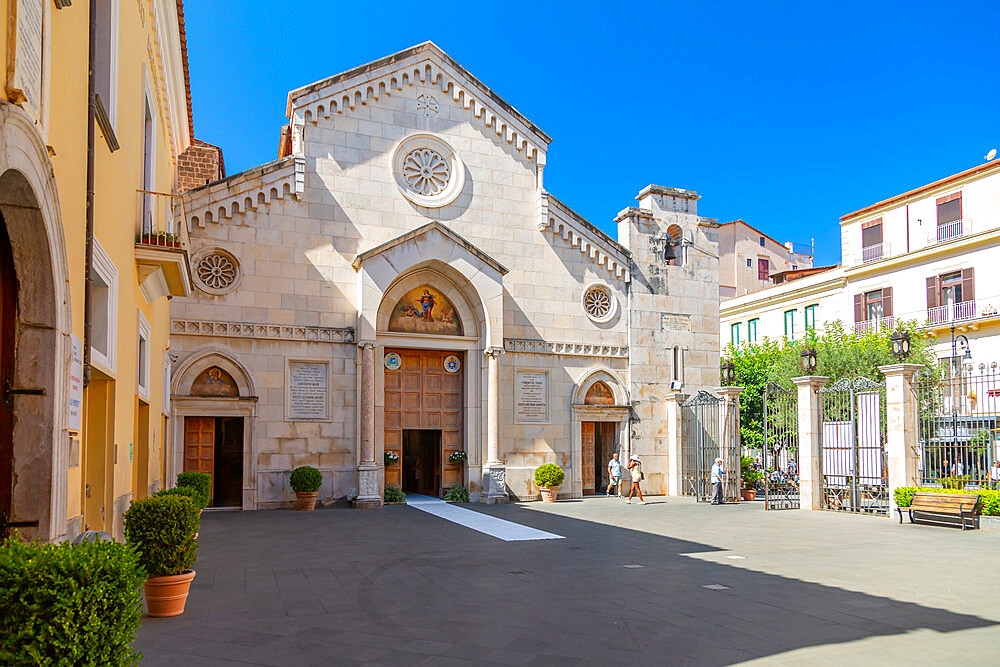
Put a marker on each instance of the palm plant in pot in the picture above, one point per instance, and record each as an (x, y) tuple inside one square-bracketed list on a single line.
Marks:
[(162, 529), (750, 476), (305, 482), (548, 477)]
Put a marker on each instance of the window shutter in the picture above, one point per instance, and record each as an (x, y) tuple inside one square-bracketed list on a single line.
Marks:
[(886, 302), (968, 285), (859, 308), (932, 292)]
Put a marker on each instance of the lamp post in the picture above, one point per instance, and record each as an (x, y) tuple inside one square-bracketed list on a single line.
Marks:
[(808, 356), (728, 373), (900, 344), (957, 342)]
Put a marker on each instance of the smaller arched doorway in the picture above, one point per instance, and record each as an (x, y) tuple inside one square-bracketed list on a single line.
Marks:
[(600, 423)]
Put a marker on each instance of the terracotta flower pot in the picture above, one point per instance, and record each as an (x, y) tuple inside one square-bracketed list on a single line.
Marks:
[(749, 494), (549, 493), (307, 501), (165, 596)]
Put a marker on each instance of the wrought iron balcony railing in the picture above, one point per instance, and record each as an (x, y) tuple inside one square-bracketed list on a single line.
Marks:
[(878, 324), (871, 253)]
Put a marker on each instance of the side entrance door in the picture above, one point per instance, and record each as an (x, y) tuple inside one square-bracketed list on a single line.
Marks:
[(199, 446)]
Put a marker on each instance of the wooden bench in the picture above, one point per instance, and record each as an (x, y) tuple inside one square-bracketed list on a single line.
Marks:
[(944, 508)]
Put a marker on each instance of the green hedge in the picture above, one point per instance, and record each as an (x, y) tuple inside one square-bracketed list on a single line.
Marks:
[(199, 480), (162, 530), (200, 499), (990, 502), (72, 605)]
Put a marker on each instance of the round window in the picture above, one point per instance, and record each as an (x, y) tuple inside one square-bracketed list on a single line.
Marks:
[(216, 271), (599, 303), (427, 171)]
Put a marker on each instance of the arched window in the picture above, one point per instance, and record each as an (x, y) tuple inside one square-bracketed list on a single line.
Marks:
[(599, 394)]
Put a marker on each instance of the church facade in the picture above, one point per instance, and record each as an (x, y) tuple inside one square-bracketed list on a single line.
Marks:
[(398, 300)]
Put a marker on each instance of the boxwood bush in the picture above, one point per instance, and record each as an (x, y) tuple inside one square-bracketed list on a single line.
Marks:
[(306, 479), (69, 605), (393, 494), (186, 491), (199, 480), (162, 528), (549, 475), (990, 498), (457, 494)]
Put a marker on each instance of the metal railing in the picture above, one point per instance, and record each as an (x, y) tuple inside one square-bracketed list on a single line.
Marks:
[(801, 248), (949, 230), (162, 222), (866, 326), (958, 428), (952, 312), (871, 253)]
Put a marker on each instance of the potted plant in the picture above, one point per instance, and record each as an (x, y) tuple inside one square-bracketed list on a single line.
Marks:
[(394, 495), (457, 457), (202, 481), (391, 458), (456, 493), (548, 477), (305, 483), (750, 476), (162, 530)]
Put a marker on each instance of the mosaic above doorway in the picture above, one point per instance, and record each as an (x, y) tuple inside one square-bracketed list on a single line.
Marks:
[(425, 310)]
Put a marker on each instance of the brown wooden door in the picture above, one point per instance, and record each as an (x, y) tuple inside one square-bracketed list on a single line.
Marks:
[(604, 444), (199, 445), (588, 458), (8, 313)]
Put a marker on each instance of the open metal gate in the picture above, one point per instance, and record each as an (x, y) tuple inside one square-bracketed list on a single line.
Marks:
[(852, 459), (781, 448), (702, 443)]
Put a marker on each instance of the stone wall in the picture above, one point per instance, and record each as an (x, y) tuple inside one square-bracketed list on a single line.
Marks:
[(201, 163)]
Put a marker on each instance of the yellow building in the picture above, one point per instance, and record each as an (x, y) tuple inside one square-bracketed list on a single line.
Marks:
[(91, 249)]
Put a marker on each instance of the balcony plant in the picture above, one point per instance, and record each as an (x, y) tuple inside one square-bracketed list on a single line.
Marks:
[(549, 477), (305, 482), (162, 530)]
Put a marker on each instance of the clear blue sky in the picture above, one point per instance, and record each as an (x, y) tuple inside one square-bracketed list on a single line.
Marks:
[(783, 115)]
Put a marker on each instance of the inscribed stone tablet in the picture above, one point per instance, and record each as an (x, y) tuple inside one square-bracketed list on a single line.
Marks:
[(532, 396), (307, 390)]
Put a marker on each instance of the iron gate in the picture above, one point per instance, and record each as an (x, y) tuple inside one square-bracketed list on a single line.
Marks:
[(702, 443), (781, 448), (852, 460)]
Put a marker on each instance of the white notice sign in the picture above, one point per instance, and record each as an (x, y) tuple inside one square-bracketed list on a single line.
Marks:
[(532, 396), (28, 52), (307, 390), (75, 417)]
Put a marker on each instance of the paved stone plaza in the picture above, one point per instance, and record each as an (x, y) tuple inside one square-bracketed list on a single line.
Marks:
[(627, 585)]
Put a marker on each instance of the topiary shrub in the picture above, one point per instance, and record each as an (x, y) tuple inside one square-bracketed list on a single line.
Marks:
[(162, 528), (199, 480), (393, 494), (549, 475), (69, 605), (186, 491), (306, 479), (457, 494)]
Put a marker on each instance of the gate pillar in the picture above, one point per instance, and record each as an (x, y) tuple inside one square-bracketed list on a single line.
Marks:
[(809, 480), (730, 449), (675, 433), (901, 427)]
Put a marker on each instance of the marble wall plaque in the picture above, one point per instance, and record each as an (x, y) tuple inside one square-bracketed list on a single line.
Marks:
[(307, 390), (531, 397)]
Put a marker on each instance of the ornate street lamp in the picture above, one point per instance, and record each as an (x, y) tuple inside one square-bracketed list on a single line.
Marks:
[(808, 356), (728, 373), (900, 342)]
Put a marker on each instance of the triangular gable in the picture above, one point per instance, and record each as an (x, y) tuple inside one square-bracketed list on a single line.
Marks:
[(426, 64), (423, 231)]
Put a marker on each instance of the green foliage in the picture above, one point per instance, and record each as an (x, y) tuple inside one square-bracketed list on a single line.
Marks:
[(162, 529), (749, 474), (549, 475), (393, 494), (457, 457), (306, 479), (989, 498), (955, 481), (457, 494), (198, 480), (187, 491), (69, 605)]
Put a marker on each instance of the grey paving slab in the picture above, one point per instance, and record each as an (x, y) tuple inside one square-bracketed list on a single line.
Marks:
[(398, 586)]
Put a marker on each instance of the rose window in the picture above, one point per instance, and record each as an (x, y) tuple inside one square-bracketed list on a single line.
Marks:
[(425, 172), (599, 303), (217, 271)]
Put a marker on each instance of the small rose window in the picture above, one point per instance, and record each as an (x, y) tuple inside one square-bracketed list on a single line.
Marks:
[(216, 271), (599, 303)]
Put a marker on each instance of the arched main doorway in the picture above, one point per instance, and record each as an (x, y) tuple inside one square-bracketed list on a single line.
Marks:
[(600, 425)]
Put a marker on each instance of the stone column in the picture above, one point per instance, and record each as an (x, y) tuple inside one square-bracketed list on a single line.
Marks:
[(901, 427), (368, 491), (809, 481), (729, 431), (494, 471), (675, 434)]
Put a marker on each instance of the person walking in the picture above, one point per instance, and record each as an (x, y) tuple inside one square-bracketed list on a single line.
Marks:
[(635, 470), (614, 475), (717, 473), (995, 474)]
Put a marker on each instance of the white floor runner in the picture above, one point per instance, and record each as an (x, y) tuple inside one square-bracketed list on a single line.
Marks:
[(508, 531)]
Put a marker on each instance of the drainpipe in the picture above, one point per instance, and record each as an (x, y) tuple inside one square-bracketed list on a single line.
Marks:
[(89, 252)]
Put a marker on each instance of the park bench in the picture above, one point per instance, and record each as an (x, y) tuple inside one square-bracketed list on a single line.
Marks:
[(944, 508)]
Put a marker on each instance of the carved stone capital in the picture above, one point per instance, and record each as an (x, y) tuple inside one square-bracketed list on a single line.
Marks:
[(366, 344), (494, 352)]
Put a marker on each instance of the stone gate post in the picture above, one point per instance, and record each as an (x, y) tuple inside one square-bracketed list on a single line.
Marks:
[(675, 434), (729, 433), (809, 481), (901, 427)]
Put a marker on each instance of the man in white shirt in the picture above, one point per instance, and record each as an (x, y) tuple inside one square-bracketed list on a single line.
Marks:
[(995, 474), (615, 475), (717, 476), (957, 469)]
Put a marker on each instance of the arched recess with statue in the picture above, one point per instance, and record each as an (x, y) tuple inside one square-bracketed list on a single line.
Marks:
[(600, 428), (213, 413), (429, 334)]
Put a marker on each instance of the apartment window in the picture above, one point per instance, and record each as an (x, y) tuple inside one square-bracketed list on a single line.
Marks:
[(761, 241), (148, 162), (951, 296), (810, 317), (790, 324), (734, 333), (871, 240), (103, 310), (873, 306), (142, 361), (763, 268), (749, 262), (106, 68), (752, 330), (949, 209)]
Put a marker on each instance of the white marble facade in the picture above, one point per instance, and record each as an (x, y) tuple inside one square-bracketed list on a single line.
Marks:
[(405, 172)]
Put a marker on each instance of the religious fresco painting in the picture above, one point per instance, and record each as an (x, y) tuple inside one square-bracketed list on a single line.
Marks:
[(425, 310), (214, 382)]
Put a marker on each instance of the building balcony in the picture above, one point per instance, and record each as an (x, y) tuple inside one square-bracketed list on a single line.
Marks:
[(871, 253), (161, 255), (879, 324), (967, 314), (947, 231)]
